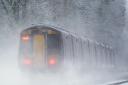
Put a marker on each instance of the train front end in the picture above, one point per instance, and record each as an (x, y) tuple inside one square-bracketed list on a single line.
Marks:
[(40, 49)]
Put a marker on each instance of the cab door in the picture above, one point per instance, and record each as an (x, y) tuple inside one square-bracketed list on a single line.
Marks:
[(53, 50), (39, 50)]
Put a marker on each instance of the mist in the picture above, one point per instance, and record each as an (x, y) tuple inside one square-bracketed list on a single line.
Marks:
[(102, 21)]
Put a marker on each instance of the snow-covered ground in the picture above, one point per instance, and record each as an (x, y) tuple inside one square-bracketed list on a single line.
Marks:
[(93, 18), (10, 75)]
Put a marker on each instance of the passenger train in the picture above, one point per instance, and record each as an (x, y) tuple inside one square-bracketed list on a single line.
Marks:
[(48, 48)]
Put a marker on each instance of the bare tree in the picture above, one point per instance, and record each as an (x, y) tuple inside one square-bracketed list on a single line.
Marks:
[(15, 8)]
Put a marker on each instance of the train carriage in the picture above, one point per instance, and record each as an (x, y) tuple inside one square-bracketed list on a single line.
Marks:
[(40, 48), (44, 48)]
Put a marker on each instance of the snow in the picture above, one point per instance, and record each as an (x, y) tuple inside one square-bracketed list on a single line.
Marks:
[(98, 21)]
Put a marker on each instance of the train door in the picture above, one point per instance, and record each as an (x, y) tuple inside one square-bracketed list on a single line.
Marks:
[(107, 57), (39, 50), (53, 49), (87, 51), (112, 58), (82, 51), (102, 56), (78, 52), (68, 49), (92, 53)]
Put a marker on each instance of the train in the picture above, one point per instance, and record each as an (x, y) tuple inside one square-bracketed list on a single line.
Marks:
[(48, 48)]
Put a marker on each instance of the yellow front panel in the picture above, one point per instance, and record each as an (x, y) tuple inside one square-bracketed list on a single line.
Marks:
[(39, 51)]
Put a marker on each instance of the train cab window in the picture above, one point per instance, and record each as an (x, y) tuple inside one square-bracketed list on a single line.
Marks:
[(53, 43)]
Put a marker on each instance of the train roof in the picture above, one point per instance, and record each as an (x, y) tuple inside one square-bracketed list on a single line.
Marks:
[(60, 30), (40, 28)]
